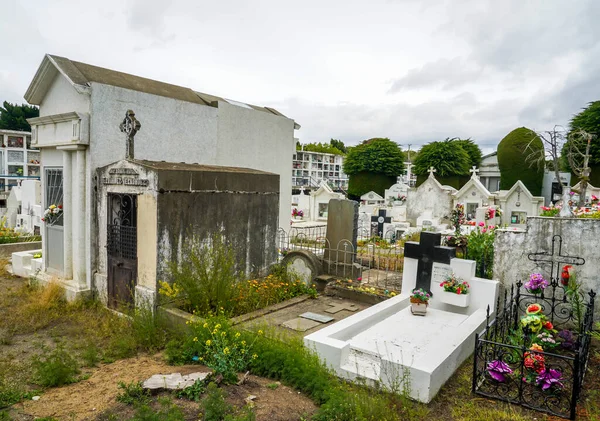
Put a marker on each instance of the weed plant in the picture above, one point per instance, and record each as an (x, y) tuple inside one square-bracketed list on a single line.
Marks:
[(55, 368), (133, 394), (167, 411)]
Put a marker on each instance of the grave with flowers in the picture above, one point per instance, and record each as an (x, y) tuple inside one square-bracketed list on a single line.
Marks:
[(535, 351), (395, 343)]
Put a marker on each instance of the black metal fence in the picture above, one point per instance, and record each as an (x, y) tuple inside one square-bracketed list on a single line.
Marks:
[(508, 364)]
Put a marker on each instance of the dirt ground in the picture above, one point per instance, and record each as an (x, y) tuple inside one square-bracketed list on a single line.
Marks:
[(92, 398)]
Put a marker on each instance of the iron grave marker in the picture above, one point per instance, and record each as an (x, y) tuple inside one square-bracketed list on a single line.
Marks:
[(428, 251)]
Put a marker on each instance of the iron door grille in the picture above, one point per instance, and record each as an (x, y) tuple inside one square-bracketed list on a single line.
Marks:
[(122, 226)]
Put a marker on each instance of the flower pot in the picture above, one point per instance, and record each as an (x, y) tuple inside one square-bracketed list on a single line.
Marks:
[(452, 298), (418, 309)]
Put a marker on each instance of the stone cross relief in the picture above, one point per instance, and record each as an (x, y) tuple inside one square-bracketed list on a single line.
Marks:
[(555, 258), (431, 171), (428, 251), (474, 172), (130, 126)]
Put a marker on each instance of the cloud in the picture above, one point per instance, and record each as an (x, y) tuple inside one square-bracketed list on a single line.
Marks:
[(444, 73)]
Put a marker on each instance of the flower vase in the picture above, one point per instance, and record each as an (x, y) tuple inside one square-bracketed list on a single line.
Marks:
[(418, 309), (452, 298)]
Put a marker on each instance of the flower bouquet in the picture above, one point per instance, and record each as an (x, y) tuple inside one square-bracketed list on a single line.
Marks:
[(297, 213), (419, 300), (52, 214), (536, 284), (456, 291)]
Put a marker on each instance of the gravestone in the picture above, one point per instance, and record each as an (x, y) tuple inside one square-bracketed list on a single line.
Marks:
[(342, 228), (377, 223), (428, 251), (555, 258)]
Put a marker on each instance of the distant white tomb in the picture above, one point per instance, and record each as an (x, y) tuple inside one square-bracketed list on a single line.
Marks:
[(389, 345), (372, 198)]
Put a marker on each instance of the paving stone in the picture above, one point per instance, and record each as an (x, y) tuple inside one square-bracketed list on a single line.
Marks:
[(342, 306), (299, 324), (173, 381), (316, 317)]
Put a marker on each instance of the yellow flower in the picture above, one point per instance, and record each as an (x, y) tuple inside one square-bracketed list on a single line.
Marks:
[(217, 326), (195, 339), (392, 294), (260, 332), (237, 335), (223, 333), (254, 356), (214, 332), (208, 342), (205, 325), (244, 343), (226, 351)]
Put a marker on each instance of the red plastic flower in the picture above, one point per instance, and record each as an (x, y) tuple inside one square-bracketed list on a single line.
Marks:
[(534, 309), (548, 326)]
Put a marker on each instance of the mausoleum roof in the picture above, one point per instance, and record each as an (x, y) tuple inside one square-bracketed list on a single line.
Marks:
[(81, 75), (182, 166)]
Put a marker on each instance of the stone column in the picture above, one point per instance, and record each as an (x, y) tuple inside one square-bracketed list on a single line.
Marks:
[(79, 220), (67, 215)]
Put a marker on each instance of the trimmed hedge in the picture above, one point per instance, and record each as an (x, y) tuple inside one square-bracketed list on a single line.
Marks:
[(456, 181), (512, 156), (363, 182)]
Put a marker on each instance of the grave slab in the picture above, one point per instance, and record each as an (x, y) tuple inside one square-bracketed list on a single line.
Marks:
[(336, 308), (321, 318), (301, 325), (174, 381)]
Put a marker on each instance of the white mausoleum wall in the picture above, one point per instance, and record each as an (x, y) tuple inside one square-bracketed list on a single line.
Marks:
[(428, 199), (241, 130), (580, 239), (63, 98), (172, 130)]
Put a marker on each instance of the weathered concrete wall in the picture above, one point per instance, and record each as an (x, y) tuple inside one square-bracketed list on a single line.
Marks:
[(429, 196), (6, 250), (247, 218), (580, 239)]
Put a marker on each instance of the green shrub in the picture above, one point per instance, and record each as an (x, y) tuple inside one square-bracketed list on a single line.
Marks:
[(513, 151), (205, 276), (56, 368), (214, 407), (364, 182), (91, 355), (192, 392), (447, 157), (133, 393), (150, 330), (480, 247)]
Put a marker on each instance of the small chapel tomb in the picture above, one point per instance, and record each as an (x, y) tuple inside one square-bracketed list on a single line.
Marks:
[(389, 345)]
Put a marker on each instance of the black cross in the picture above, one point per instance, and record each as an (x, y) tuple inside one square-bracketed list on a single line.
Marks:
[(380, 220), (428, 251), (556, 259)]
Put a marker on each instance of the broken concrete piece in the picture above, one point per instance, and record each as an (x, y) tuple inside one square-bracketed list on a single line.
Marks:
[(174, 381)]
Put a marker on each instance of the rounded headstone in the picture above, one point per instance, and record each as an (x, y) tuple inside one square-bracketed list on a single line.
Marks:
[(303, 264)]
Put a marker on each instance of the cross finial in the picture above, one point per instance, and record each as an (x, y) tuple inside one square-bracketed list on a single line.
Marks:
[(474, 172), (431, 171), (130, 126)]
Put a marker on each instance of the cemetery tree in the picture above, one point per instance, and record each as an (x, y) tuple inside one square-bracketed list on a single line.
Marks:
[(320, 147), (339, 145), (373, 165), (513, 152), (448, 157), (588, 120), (472, 149), (14, 117), (579, 144)]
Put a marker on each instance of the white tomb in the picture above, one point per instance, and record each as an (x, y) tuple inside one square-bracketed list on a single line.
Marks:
[(372, 198), (396, 194), (517, 204), (473, 195), (387, 344)]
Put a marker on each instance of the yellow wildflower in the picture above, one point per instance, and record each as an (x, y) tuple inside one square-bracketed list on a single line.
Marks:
[(244, 343), (237, 335), (254, 356), (195, 339), (205, 325), (226, 351), (260, 332), (208, 342), (217, 326), (223, 333)]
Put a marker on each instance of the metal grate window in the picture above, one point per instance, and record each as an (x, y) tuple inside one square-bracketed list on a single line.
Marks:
[(54, 190)]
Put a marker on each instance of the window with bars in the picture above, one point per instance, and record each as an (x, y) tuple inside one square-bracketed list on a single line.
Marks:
[(54, 190)]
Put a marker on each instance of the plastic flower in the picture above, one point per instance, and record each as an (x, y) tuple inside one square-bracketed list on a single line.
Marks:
[(536, 283), (498, 370), (481, 224), (548, 325), (534, 309), (549, 378)]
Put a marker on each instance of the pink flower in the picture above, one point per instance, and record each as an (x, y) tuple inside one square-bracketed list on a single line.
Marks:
[(484, 231), (481, 224)]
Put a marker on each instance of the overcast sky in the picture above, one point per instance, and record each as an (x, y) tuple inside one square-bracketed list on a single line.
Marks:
[(413, 71)]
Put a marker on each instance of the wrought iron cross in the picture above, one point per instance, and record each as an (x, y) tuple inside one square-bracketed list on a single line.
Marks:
[(130, 126), (555, 258)]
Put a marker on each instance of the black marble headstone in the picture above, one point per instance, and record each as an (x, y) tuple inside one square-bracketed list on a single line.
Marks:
[(428, 251), (380, 220)]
